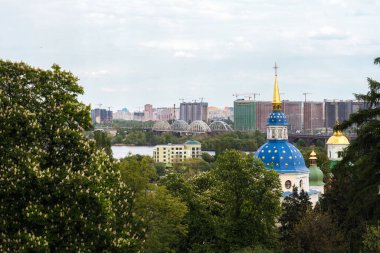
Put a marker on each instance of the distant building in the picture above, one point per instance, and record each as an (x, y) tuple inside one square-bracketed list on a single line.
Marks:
[(339, 110), (192, 111), (244, 115), (313, 116), (165, 113), (100, 116), (148, 112), (138, 116), (263, 109), (122, 115), (294, 112), (176, 153), (220, 113)]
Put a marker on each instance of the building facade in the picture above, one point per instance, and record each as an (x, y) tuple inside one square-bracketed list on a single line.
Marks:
[(148, 112), (245, 115), (176, 153), (313, 116), (165, 114), (193, 111), (339, 110), (100, 116), (294, 113)]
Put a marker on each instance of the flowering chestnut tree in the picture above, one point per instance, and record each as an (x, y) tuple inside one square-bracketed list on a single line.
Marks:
[(57, 191)]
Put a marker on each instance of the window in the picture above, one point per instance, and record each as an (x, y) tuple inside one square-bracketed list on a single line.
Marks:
[(301, 184), (288, 184), (340, 154)]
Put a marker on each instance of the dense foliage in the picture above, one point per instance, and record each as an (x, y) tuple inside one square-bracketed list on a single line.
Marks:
[(58, 192), (155, 209), (232, 206), (354, 199)]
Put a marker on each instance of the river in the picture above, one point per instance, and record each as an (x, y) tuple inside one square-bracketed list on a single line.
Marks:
[(123, 151)]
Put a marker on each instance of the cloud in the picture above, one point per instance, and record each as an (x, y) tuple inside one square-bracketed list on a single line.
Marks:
[(183, 54), (178, 45), (328, 33), (113, 90), (97, 73)]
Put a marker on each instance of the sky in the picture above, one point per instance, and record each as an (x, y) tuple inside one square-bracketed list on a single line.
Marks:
[(128, 53)]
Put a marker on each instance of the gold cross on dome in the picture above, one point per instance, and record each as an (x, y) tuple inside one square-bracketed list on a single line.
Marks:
[(275, 68)]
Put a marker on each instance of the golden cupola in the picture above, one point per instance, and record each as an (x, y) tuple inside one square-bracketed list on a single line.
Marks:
[(338, 138)]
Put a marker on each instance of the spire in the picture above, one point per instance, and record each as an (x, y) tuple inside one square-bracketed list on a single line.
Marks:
[(313, 158), (276, 93)]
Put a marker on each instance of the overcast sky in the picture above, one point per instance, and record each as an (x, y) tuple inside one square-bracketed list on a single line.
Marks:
[(132, 52)]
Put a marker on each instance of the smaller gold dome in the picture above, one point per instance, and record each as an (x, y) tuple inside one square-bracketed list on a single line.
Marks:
[(338, 139), (313, 155)]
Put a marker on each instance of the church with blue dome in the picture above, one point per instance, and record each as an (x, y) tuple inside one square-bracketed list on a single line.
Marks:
[(278, 154)]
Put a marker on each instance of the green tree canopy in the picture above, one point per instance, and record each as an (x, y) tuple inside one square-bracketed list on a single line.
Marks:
[(233, 206), (156, 210), (58, 192), (354, 199), (294, 207)]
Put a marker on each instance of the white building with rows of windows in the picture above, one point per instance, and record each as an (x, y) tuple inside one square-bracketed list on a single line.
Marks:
[(176, 153)]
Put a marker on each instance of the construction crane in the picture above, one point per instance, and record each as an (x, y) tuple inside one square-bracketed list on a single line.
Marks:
[(182, 100), (305, 94), (201, 99), (254, 95), (248, 95)]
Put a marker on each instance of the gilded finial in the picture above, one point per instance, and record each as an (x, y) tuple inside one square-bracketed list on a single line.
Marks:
[(313, 157), (276, 93)]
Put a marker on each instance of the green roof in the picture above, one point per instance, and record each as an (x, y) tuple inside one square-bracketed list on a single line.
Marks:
[(315, 176), (193, 142)]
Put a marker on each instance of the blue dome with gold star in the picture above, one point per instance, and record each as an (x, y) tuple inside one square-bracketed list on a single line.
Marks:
[(277, 118), (282, 156)]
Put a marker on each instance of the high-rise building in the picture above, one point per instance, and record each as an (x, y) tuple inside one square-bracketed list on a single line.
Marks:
[(148, 112), (331, 109), (100, 116), (293, 111), (192, 111), (263, 108), (244, 115), (138, 116), (339, 110), (313, 116)]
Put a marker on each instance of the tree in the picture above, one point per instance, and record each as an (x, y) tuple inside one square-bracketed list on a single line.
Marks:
[(317, 233), (294, 208), (232, 206), (156, 210), (58, 192), (103, 141), (354, 196), (371, 239), (249, 199)]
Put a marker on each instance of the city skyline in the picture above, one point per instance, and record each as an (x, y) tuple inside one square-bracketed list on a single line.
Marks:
[(127, 54)]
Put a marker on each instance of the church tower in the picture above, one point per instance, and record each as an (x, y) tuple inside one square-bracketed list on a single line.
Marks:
[(316, 174), (335, 146), (278, 154)]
